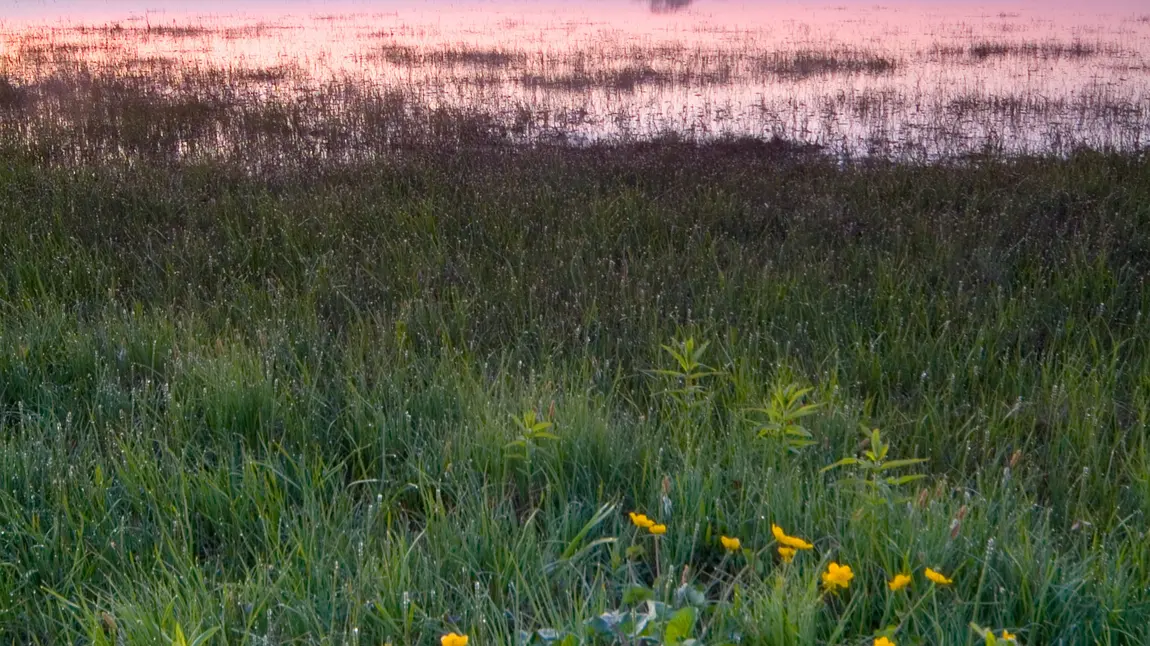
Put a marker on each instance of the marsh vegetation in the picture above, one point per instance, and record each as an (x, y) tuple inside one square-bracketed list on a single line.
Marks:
[(859, 83), (475, 349)]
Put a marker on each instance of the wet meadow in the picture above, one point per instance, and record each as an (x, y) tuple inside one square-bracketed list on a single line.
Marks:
[(524, 324)]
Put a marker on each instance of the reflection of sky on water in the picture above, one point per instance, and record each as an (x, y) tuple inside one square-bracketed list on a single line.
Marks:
[(56, 10), (1033, 101)]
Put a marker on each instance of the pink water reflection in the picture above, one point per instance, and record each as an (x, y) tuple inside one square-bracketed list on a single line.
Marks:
[(615, 68)]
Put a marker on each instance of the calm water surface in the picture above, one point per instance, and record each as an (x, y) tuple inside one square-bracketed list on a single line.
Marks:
[(911, 79)]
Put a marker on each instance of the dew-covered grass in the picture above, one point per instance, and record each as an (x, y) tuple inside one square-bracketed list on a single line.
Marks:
[(311, 406)]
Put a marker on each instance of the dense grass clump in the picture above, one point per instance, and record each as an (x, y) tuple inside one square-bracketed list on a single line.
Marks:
[(416, 396)]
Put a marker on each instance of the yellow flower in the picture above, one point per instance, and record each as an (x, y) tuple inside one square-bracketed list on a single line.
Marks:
[(789, 541), (452, 639), (657, 530), (787, 553), (730, 544), (1009, 636), (883, 641), (837, 576), (899, 582), (640, 520), (938, 577)]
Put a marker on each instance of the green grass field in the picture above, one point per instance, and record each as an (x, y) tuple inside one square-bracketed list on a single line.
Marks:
[(311, 407)]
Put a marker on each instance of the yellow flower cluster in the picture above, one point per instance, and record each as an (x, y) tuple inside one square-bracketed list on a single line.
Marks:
[(837, 576), (902, 580), (787, 544), (899, 582), (792, 542), (937, 577), (642, 522)]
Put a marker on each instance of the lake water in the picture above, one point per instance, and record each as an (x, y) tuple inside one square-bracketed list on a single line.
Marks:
[(917, 80)]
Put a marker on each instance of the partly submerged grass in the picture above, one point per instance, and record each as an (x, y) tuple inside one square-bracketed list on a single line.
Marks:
[(280, 407), (626, 79), (809, 63), (1050, 49), (89, 94)]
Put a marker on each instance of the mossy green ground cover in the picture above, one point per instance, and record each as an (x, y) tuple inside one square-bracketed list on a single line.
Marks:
[(310, 408)]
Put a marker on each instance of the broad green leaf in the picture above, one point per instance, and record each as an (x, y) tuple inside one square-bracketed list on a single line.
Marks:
[(895, 464), (637, 594), (845, 462), (688, 594), (695, 597), (809, 409), (607, 623), (986, 634), (640, 627), (797, 430), (679, 627)]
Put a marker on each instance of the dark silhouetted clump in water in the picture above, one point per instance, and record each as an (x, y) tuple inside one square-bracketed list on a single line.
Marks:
[(667, 6)]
